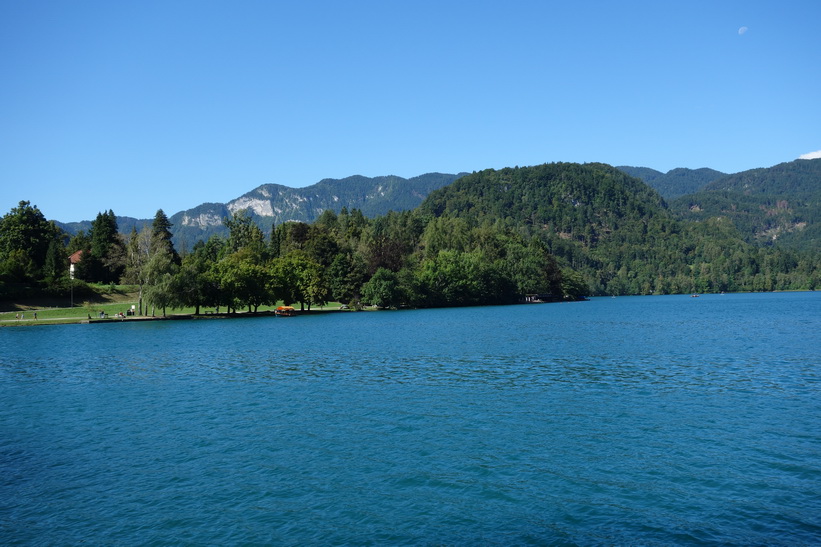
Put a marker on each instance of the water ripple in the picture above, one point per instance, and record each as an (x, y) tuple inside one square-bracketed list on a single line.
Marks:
[(638, 421)]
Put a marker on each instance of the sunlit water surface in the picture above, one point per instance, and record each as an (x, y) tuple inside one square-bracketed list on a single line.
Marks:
[(643, 420)]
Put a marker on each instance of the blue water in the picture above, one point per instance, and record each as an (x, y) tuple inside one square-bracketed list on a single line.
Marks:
[(637, 420)]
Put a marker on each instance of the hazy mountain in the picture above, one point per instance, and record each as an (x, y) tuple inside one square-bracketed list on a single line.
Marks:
[(676, 182)]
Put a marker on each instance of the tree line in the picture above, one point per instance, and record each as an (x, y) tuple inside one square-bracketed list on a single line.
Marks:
[(399, 259), (556, 230), (620, 236)]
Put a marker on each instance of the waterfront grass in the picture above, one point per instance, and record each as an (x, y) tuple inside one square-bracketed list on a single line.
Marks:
[(23, 312)]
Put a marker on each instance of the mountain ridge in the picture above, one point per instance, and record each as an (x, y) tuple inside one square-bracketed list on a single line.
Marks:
[(618, 232), (675, 182), (271, 204), (779, 203)]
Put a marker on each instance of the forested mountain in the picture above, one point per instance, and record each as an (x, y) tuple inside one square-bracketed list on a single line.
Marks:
[(558, 230), (777, 205), (799, 178), (773, 206), (617, 231), (676, 182), (273, 204)]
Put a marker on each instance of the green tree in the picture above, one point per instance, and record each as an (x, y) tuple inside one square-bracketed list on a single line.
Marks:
[(159, 273), (345, 276), (573, 285), (383, 289), (196, 284), (106, 261), (55, 268), (297, 278), (244, 233), (138, 253), (161, 236), (243, 282), (25, 236), (463, 279)]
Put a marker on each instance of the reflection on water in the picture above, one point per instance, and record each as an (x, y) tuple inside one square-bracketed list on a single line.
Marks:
[(629, 420)]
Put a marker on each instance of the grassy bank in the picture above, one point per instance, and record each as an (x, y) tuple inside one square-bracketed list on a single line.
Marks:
[(108, 301)]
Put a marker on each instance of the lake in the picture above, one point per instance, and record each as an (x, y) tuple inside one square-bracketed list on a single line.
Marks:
[(639, 420)]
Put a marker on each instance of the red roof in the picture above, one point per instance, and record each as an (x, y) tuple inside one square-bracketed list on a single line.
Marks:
[(76, 257)]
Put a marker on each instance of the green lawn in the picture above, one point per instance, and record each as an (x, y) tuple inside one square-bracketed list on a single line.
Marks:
[(24, 313)]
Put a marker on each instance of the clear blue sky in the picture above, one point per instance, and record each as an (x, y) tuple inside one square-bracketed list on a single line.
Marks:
[(137, 106)]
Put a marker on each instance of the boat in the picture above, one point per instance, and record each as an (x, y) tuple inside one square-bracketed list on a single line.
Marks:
[(285, 311)]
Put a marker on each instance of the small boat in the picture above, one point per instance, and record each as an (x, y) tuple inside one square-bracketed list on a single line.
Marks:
[(694, 296), (285, 311)]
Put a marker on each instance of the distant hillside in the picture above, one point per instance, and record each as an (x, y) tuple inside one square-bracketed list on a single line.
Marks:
[(779, 204), (610, 226), (799, 178), (607, 231), (124, 224), (617, 231), (568, 199), (272, 204), (676, 182)]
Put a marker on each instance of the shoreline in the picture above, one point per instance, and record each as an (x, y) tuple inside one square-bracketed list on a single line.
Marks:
[(30, 321)]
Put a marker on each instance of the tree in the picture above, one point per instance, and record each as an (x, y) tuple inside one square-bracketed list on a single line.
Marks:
[(345, 277), (244, 233), (320, 245), (161, 236), (573, 285), (242, 281), (106, 261), (25, 236), (533, 269), (464, 279), (152, 262), (138, 252), (445, 233), (56, 266), (193, 284), (382, 290), (297, 278), (158, 273)]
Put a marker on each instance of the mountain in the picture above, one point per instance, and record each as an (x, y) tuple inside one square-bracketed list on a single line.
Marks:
[(617, 231), (575, 201), (611, 227), (606, 232), (124, 225), (272, 204), (779, 204), (799, 178), (676, 182)]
